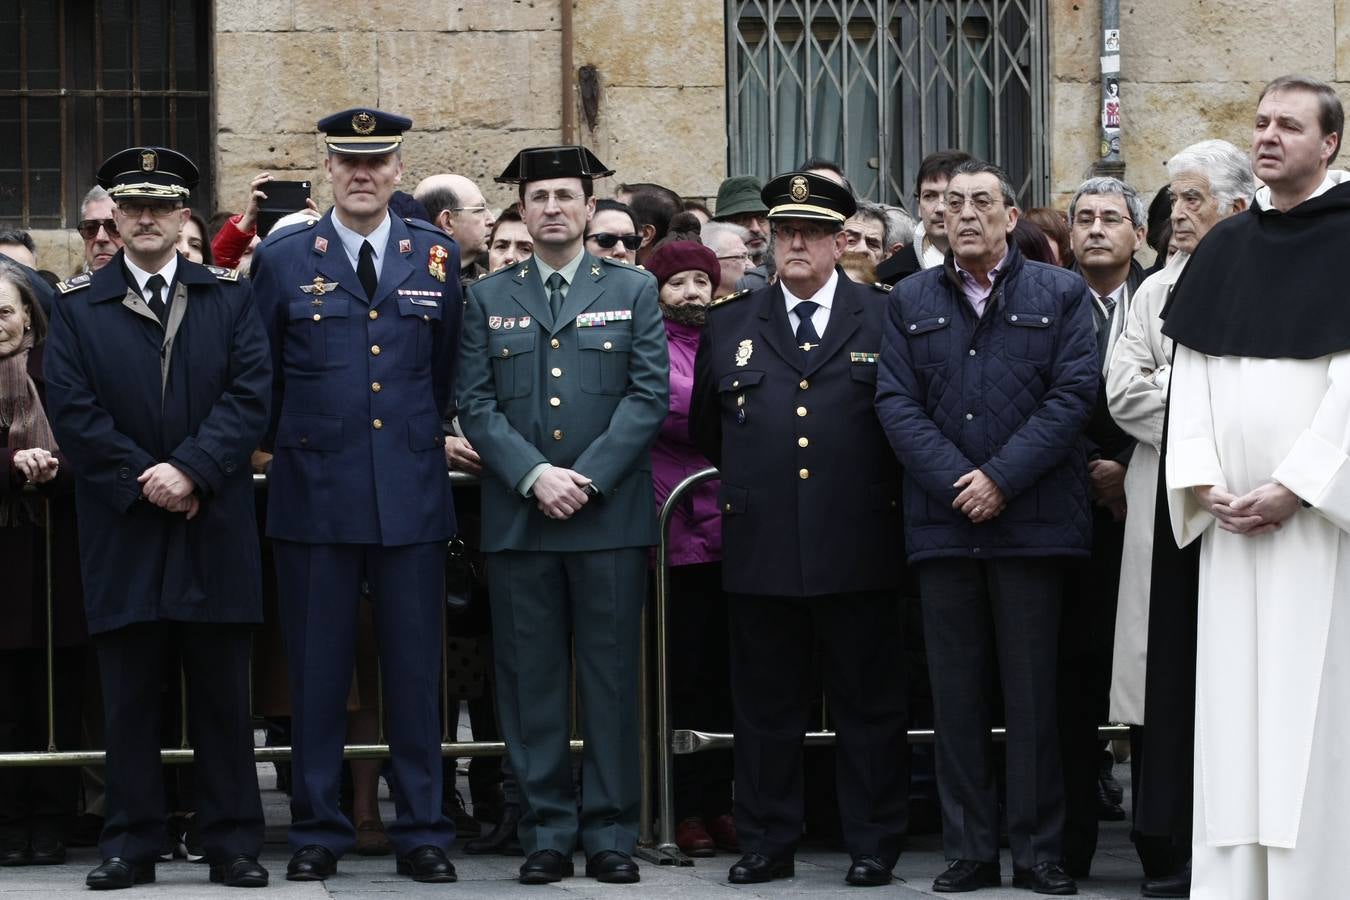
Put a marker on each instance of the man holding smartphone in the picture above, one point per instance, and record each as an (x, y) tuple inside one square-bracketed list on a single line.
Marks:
[(363, 312)]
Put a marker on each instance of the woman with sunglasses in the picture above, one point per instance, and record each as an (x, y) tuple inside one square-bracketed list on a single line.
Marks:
[(612, 232)]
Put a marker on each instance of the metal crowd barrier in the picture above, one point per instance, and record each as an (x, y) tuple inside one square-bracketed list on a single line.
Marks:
[(658, 847)]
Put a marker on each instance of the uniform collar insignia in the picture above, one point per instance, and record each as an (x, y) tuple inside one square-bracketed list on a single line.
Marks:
[(524, 270), (405, 246), (320, 244), (595, 270)]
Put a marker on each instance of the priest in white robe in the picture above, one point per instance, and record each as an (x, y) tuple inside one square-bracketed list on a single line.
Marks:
[(1258, 462)]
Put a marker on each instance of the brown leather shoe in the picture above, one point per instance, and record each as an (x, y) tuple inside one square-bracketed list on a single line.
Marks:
[(371, 839), (693, 839), (723, 832)]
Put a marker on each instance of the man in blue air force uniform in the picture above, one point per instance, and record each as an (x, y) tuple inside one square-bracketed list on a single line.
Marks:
[(363, 312), (561, 389)]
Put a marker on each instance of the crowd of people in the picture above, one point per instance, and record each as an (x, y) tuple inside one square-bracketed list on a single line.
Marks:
[(977, 467)]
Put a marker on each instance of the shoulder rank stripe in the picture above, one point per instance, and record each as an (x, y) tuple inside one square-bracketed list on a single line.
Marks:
[(729, 297), (74, 283), (882, 286), (224, 274)]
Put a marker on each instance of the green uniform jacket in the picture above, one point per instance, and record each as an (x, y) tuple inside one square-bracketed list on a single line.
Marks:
[(588, 392)]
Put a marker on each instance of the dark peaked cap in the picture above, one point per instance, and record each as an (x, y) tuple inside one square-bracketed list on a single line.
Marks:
[(805, 195), (148, 173), (364, 131), (539, 163)]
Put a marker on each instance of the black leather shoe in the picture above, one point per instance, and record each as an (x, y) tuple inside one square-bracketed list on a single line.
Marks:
[(868, 871), (427, 864), (612, 867), (117, 873), (503, 839), (1175, 885), (242, 871), (16, 855), (1045, 878), (756, 868), (311, 863), (545, 867), (967, 875), (47, 852)]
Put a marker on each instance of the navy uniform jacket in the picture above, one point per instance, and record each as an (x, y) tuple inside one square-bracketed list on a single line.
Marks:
[(124, 394), (588, 392), (361, 385), (810, 488)]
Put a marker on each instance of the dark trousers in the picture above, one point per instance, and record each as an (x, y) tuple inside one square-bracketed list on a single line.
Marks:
[(986, 619), (545, 605), (320, 589), (131, 664), (771, 644), (38, 800), (700, 691)]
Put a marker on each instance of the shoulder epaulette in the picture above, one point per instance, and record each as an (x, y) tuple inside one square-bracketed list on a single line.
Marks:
[(75, 283), (294, 228), (882, 286), (223, 274), (426, 226), (729, 297)]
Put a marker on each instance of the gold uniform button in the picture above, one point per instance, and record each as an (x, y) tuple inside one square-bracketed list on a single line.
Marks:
[(801, 410), (803, 474), (374, 387), (608, 345), (374, 349), (378, 424), (556, 372), (554, 401), (728, 507), (374, 314), (803, 442), (424, 318), (555, 343), (318, 318), (557, 434), (803, 384)]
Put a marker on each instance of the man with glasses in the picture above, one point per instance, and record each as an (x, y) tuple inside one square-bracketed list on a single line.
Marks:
[(363, 311), (456, 206), (562, 389), (988, 375), (158, 383), (728, 242), (1106, 227), (782, 404), (98, 230)]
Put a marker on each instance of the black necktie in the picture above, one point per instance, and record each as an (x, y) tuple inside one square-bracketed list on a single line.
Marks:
[(555, 295), (365, 269), (155, 288), (807, 339)]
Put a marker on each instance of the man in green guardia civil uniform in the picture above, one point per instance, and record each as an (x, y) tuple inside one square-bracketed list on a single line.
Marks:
[(562, 387)]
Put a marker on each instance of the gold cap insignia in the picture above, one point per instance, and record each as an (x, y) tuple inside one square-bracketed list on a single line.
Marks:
[(149, 160), (363, 123), (799, 189)]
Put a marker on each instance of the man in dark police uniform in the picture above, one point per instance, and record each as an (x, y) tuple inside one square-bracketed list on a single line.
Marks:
[(363, 312), (158, 385), (783, 391), (562, 388)]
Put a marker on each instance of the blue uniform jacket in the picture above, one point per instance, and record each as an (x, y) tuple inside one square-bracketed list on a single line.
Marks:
[(121, 398), (361, 386), (1009, 392), (588, 392), (810, 490)]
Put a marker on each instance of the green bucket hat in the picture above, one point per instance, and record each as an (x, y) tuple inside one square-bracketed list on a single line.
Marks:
[(737, 196)]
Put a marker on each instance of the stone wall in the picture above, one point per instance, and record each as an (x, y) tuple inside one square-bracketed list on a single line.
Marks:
[(1190, 70)]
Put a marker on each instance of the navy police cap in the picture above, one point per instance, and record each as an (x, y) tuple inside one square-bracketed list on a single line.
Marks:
[(148, 173), (364, 131), (539, 163), (805, 195)]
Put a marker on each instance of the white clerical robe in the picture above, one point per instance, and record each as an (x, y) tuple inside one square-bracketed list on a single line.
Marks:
[(1136, 393), (1272, 784)]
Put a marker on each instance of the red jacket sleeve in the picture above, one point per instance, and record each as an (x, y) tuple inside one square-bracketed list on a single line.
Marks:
[(230, 243)]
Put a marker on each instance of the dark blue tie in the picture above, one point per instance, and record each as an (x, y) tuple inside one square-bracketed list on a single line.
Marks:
[(807, 339), (155, 288)]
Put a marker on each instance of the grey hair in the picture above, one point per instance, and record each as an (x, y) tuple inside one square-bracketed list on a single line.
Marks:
[(980, 167), (877, 213), (712, 233), (1228, 169), (95, 194), (899, 226), (1105, 184)]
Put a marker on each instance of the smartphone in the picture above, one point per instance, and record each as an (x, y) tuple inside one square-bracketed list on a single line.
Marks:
[(283, 198)]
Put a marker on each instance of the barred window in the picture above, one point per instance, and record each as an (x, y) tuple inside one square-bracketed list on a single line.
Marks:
[(877, 84), (82, 79)]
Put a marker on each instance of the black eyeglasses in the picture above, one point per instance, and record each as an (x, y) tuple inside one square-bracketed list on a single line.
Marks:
[(88, 228), (607, 240)]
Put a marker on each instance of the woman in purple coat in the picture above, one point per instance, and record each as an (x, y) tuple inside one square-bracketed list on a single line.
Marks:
[(687, 273)]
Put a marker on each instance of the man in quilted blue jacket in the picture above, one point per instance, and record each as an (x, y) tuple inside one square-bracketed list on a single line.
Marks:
[(988, 375)]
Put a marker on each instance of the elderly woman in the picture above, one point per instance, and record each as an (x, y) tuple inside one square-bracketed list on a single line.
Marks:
[(688, 273), (34, 803)]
